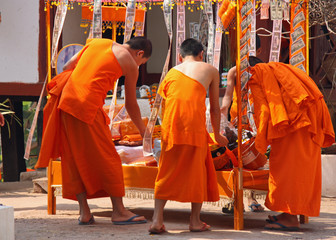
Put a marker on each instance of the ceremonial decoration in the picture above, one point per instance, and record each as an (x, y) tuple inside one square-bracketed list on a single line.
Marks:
[(180, 29), (264, 10), (208, 11), (298, 37), (253, 50), (147, 140), (113, 17), (129, 21), (276, 41), (58, 27), (96, 30), (218, 41), (140, 26)]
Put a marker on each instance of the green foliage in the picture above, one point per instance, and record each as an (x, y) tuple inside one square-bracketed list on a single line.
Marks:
[(6, 109), (28, 112)]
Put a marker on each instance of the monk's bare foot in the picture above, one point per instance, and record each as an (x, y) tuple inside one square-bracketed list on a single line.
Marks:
[(285, 221), (275, 218), (199, 227), (254, 206), (127, 217), (157, 228), (85, 218)]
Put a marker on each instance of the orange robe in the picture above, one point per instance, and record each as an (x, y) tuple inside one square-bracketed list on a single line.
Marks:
[(90, 162), (292, 117), (186, 171)]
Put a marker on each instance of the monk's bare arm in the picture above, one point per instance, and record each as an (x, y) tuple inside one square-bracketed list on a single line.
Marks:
[(214, 108), (71, 64), (226, 102), (131, 103)]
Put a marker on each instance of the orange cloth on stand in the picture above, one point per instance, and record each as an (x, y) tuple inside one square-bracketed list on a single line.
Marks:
[(186, 171), (292, 117), (90, 162)]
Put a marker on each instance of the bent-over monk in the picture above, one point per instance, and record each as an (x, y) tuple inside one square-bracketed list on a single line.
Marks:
[(292, 117), (75, 119)]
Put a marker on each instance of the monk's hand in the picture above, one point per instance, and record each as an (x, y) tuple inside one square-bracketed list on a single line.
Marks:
[(224, 111), (221, 140)]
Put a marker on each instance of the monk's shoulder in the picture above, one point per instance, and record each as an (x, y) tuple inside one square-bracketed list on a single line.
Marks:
[(124, 58)]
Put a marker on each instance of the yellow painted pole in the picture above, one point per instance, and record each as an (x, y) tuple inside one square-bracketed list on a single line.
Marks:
[(114, 31), (48, 41), (305, 219), (114, 38), (238, 172)]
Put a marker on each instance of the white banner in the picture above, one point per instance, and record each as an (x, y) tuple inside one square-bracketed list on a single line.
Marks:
[(58, 27), (276, 41), (129, 20), (96, 30), (208, 11), (218, 40), (140, 26), (180, 29), (147, 140)]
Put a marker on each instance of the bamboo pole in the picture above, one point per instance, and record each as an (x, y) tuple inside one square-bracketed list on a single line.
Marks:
[(238, 172)]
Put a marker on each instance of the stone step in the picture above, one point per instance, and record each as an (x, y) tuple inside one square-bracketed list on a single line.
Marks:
[(7, 223), (40, 185)]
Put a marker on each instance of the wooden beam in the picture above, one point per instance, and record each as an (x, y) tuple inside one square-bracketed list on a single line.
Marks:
[(20, 89)]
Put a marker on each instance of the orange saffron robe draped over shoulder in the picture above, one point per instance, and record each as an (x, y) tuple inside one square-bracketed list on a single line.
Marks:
[(292, 117), (186, 171), (90, 162)]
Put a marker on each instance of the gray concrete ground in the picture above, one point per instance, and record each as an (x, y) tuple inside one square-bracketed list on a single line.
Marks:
[(33, 222)]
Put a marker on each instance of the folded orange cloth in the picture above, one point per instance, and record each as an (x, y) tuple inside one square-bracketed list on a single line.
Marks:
[(145, 161), (132, 137), (127, 127)]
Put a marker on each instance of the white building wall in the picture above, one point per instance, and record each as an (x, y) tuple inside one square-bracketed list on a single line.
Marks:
[(19, 35)]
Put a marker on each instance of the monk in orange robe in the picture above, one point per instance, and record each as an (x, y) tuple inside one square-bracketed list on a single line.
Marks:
[(291, 116), (186, 171), (75, 121)]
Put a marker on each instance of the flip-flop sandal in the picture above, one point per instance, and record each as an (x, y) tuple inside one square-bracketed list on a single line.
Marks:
[(91, 221), (254, 207), (269, 220), (205, 227), (157, 231), (282, 227), (129, 221)]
